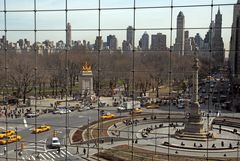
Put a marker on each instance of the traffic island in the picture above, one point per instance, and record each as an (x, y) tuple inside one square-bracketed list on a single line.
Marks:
[(127, 153)]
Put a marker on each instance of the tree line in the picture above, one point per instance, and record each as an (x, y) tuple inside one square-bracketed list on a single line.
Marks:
[(56, 74)]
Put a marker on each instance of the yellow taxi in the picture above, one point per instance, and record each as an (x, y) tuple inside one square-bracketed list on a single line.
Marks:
[(41, 128), (136, 111), (10, 139), (107, 116), (152, 106), (6, 133)]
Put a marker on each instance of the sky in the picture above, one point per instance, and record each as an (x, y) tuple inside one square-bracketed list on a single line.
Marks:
[(115, 20)]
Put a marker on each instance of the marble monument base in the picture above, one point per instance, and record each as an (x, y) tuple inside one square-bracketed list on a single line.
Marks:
[(193, 134)]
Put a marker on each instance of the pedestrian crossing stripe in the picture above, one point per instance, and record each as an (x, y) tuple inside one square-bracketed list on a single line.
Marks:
[(49, 155), (40, 155)]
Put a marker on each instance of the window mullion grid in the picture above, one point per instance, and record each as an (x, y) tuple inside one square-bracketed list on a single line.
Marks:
[(67, 48), (98, 78), (35, 74), (170, 79), (133, 77), (5, 71)]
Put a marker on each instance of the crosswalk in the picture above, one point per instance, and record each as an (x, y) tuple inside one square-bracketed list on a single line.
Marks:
[(51, 155)]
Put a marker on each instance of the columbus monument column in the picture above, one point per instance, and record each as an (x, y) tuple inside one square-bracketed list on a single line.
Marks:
[(194, 125)]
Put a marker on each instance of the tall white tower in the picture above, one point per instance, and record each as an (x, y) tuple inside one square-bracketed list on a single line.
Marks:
[(69, 35), (179, 41)]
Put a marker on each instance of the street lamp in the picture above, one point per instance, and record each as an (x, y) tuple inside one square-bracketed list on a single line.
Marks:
[(155, 142), (88, 137), (238, 149), (16, 142)]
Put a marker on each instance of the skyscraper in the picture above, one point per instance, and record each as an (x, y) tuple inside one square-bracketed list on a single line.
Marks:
[(98, 43), (113, 43), (159, 42), (198, 41), (130, 35), (144, 41), (179, 41), (69, 35), (126, 46), (217, 41), (234, 55), (187, 43), (109, 37)]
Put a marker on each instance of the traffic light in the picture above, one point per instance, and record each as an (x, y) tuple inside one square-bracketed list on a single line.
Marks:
[(54, 133), (21, 146)]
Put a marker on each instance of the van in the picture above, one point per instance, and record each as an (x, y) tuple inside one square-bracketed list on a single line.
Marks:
[(55, 143)]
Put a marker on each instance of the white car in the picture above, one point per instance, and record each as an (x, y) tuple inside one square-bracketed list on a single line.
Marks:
[(64, 111), (57, 111), (55, 143)]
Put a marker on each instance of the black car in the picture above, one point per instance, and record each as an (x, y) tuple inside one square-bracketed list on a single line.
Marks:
[(31, 114)]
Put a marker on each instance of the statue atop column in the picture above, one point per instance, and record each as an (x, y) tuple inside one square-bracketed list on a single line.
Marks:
[(194, 126)]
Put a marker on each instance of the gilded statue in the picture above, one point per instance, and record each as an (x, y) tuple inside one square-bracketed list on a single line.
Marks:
[(86, 67)]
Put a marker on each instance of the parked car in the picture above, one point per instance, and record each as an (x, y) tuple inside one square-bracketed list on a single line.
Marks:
[(65, 111), (31, 114), (56, 111)]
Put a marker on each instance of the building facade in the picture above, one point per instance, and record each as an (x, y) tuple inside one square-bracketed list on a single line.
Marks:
[(159, 42), (130, 35), (69, 35), (217, 46), (144, 42), (179, 41), (234, 55)]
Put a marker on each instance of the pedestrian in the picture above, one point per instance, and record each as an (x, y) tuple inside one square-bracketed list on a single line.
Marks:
[(136, 141), (59, 150), (5, 150), (84, 151)]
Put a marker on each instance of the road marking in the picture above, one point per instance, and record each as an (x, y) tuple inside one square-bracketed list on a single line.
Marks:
[(33, 157), (69, 153), (57, 155), (42, 141), (42, 156), (47, 155), (25, 122), (9, 127), (51, 155), (62, 153)]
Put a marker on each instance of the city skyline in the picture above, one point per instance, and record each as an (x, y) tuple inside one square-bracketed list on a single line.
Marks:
[(152, 21)]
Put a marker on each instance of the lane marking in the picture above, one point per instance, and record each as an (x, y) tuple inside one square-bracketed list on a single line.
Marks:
[(33, 157), (69, 153), (51, 155), (25, 122), (42, 157), (47, 155), (57, 155), (62, 154)]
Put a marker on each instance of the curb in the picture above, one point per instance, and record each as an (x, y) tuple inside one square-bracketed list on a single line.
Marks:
[(72, 131)]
